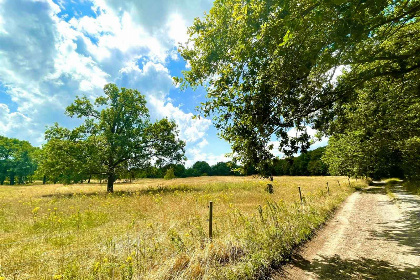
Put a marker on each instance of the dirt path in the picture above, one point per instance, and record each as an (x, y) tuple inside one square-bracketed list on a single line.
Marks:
[(372, 236)]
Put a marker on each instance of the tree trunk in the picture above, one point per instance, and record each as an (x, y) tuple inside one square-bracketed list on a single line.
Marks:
[(90, 176), (110, 184), (12, 179), (44, 179)]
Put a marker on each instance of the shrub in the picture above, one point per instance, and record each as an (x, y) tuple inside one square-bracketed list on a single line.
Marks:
[(169, 174)]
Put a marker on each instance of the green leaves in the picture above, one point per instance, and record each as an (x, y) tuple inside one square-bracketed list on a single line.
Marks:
[(268, 66), (116, 135), (286, 38), (17, 159)]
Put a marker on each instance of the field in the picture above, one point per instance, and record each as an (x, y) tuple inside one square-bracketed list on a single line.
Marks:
[(158, 229)]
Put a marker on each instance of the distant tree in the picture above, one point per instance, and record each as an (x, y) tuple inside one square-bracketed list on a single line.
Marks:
[(68, 156), (316, 166), (201, 167), (221, 169), (169, 174), (117, 133), (179, 170), (16, 160)]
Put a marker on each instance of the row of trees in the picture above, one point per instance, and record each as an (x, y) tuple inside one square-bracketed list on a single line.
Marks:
[(306, 164), (59, 162)]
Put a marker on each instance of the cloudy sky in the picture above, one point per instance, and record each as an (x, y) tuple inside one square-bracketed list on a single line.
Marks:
[(53, 50)]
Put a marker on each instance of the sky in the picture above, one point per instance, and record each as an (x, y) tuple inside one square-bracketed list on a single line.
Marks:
[(54, 50)]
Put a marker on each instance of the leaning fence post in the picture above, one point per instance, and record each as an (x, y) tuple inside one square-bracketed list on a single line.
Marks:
[(211, 220), (300, 195)]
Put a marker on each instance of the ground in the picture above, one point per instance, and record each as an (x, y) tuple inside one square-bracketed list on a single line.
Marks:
[(374, 235)]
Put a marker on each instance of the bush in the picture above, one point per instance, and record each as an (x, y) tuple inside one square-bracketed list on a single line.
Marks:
[(169, 174)]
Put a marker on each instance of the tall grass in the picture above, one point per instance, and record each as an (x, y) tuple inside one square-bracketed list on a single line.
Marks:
[(157, 229)]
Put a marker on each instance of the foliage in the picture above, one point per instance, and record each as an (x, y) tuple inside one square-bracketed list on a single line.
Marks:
[(376, 134), (410, 153), (169, 174), (270, 66), (201, 167), (116, 135), (17, 160), (305, 164), (309, 163)]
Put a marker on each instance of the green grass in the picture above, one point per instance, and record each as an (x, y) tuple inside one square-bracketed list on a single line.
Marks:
[(412, 186), (157, 229)]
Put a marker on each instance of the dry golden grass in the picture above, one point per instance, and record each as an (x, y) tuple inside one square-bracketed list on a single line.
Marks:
[(157, 229)]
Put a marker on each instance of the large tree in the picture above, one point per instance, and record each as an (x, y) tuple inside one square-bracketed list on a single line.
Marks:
[(117, 134), (270, 66)]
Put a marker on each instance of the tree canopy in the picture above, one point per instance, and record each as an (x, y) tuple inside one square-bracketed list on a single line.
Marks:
[(17, 160), (269, 66), (116, 135)]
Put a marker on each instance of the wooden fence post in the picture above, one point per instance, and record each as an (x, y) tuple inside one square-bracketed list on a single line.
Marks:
[(328, 189), (211, 220), (300, 195)]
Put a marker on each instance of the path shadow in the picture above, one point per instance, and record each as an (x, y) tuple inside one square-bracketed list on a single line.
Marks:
[(332, 268), (405, 231), (377, 183), (148, 191), (375, 190)]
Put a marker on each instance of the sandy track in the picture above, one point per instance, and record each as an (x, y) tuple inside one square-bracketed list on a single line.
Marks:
[(371, 236)]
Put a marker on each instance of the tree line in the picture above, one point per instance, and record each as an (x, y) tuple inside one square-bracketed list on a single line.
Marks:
[(21, 163)]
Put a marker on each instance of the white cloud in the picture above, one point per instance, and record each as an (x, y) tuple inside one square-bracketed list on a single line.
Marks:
[(117, 32), (47, 61), (177, 28), (203, 143), (17, 125), (196, 154), (41, 67), (192, 130), (152, 13), (10, 121)]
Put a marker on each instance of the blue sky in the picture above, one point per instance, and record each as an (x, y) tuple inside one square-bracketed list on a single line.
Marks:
[(53, 50)]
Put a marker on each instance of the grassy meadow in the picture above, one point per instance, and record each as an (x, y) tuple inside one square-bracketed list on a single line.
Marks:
[(158, 229)]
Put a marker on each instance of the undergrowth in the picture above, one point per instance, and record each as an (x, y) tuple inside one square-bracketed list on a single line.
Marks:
[(412, 186)]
